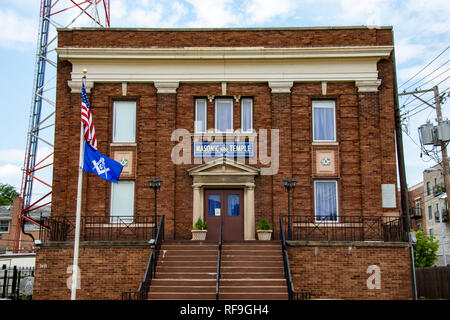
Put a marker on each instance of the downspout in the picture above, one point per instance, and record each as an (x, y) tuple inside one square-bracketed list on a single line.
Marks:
[(402, 173)]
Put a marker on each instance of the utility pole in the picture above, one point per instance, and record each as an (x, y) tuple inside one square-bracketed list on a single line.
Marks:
[(437, 99), (437, 106)]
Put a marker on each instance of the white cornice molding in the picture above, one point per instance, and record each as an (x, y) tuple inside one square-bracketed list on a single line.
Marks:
[(70, 53), (368, 85), (281, 86), (167, 87), (75, 86), (281, 67)]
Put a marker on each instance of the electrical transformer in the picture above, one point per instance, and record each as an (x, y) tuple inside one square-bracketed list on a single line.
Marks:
[(426, 131), (443, 131)]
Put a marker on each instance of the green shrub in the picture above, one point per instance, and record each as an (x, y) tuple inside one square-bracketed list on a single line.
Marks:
[(200, 225), (264, 225)]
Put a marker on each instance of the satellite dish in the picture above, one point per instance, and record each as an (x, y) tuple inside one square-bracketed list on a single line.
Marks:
[(26, 286)]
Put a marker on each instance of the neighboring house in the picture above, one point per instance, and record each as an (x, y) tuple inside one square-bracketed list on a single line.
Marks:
[(223, 116), (434, 191), (417, 206), (8, 227)]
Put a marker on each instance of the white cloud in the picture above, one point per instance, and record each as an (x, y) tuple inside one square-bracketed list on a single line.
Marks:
[(18, 32), (260, 11), (10, 172), (12, 156), (214, 13)]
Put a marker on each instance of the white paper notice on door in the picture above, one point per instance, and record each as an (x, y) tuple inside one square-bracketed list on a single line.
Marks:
[(217, 212)]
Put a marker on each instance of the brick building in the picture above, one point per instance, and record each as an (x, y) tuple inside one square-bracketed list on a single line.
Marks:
[(222, 116)]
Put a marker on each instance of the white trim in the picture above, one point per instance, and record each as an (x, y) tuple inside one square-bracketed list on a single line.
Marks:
[(334, 121), (242, 115), (206, 116), (337, 200), (215, 115)]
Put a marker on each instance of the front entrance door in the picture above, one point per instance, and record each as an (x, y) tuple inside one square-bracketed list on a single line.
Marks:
[(229, 204)]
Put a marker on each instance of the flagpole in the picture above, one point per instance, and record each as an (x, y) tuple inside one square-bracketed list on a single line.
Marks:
[(76, 246)]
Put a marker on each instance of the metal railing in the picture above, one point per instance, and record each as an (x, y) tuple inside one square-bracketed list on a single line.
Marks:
[(287, 268), (150, 271), (344, 228), (16, 283), (98, 228), (219, 260)]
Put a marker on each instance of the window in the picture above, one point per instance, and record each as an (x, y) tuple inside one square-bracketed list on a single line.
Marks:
[(428, 188), (4, 226), (124, 127), (417, 205), (122, 201), (247, 115), (233, 205), (430, 213), (324, 121), (224, 115), (325, 198), (200, 116)]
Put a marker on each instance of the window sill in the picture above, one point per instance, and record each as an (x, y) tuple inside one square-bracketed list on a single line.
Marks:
[(210, 135), (123, 144), (325, 143)]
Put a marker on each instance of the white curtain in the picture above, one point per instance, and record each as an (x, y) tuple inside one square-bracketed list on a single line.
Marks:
[(224, 115), (122, 201), (326, 201), (124, 121), (247, 121), (200, 115), (323, 120)]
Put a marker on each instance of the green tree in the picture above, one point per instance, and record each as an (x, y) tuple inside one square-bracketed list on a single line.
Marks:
[(7, 194), (425, 250)]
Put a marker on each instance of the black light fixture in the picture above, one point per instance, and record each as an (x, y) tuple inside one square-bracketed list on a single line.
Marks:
[(288, 185), (155, 184)]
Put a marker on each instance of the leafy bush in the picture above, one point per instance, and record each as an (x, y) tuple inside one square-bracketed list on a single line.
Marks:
[(425, 250), (200, 225), (264, 225)]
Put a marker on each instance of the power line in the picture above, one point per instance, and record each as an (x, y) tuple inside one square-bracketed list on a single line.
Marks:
[(428, 75), (424, 67)]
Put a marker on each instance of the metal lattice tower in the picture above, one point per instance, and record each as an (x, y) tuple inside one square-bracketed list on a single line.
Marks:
[(53, 14)]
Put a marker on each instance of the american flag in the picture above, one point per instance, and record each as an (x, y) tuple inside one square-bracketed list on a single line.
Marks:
[(86, 118)]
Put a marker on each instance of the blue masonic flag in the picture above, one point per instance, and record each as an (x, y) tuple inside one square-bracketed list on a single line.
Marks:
[(95, 162)]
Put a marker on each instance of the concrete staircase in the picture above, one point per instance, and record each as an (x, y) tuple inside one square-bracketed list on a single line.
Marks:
[(252, 270), (186, 270)]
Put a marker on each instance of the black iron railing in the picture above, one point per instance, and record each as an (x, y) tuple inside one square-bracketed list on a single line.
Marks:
[(287, 268), (16, 283), (219, 260), (98, 228), (344, 228), (150, 271)]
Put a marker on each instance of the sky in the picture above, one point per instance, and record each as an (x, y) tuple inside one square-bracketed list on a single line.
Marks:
[(421, 35)]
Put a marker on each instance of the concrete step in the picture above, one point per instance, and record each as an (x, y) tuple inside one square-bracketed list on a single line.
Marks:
[(253, 296), (253, 275), (189, 247), (183, 282), (189, 253), (180, 289), (237, 263), (184, 263), (245, 252), (253, 289), (255, 268), (181, 296), (186, 269), (252, 282), (185, 275), (188, 259)]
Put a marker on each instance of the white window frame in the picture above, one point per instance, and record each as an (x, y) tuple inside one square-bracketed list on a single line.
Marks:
[(132, 207), (251, 115), (206, 115), (114, 139), (8, 223), (215, 115), (334, 120), (337, 200)]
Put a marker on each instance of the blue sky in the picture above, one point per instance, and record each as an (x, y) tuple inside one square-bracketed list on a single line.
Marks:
[(421, 30)]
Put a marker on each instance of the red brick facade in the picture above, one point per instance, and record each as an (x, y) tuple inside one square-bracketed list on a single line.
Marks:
[(365, 145)]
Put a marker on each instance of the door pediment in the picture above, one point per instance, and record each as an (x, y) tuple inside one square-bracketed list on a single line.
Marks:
[(223, 167)]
